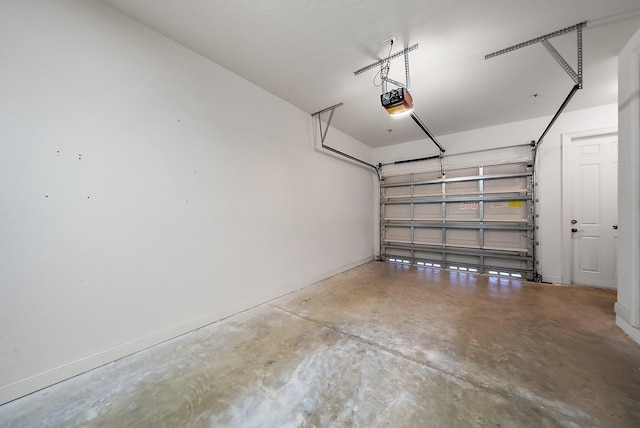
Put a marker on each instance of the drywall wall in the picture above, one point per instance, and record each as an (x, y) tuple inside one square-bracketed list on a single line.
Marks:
[(628, 305), (146, 191), (549, 165)]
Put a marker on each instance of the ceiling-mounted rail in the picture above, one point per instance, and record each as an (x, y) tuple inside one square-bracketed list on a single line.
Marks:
[(422, 126), (382, 61), (537, 40)]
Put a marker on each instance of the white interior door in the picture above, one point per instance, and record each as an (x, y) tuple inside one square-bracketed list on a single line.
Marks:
[(594, 216)]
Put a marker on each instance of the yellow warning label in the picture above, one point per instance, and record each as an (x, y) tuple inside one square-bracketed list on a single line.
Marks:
[(515, 204)]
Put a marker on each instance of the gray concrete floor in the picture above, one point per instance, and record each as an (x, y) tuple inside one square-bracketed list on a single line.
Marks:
[(379, 345)]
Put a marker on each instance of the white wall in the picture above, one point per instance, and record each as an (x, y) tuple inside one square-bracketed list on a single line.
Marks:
[(549, 164), (628, 304), (146, 191)]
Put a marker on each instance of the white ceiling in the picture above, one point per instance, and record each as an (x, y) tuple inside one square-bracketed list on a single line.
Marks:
[(305, 51)]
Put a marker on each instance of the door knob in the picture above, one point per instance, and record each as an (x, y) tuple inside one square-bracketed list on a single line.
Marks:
[(615, 227), (574, 230)]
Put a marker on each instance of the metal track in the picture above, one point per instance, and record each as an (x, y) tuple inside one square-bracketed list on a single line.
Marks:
[(382, 61), (536, 40)]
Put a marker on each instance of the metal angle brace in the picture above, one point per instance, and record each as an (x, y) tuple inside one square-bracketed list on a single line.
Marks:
[(576, 76), (323, 135)]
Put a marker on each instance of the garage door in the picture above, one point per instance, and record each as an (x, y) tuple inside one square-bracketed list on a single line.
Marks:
[(473, 219)]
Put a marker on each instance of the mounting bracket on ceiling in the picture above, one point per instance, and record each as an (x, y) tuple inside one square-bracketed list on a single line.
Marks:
[(323, 135), (576, 76), (383, 62)]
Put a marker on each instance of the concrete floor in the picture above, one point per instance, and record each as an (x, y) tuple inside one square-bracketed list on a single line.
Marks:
[(379, 345)]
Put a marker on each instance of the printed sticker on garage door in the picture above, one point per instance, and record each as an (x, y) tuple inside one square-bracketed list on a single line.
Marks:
[(468, 205)]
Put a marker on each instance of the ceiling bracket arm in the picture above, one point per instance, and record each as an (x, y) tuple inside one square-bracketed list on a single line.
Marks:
[(575, 76), (406, 70), (539, 39), (323, 136), (564, 64), (579, 40), (395, 82)]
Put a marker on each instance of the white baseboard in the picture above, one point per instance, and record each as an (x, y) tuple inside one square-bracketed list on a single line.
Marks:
[(622, 311), (42, 380), (630, 330)]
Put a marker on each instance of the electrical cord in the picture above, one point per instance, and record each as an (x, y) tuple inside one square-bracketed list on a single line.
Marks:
[(384, 69)]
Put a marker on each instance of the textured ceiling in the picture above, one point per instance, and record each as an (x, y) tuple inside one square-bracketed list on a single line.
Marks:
[(305, 51)]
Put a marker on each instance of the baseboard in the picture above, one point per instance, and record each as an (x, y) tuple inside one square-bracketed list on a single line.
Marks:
[(631, 331), (37, 382), (622, 312), (558, 281)]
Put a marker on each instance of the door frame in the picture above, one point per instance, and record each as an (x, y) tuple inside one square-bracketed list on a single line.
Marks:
[(565, 227)]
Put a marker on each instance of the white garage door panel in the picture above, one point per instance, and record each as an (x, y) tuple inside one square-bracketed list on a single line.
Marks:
[(503, 168), (398, 212), (463, 238), (398, 234), (427, 236), (459, 261), (428, 256), (507, 185), (515, 211), (423, 176), (511, 240), (487, 225), (428, 212), (506, 264), (463, 211), (464, 188), (398, 192), (461, 172), (428, 190)]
